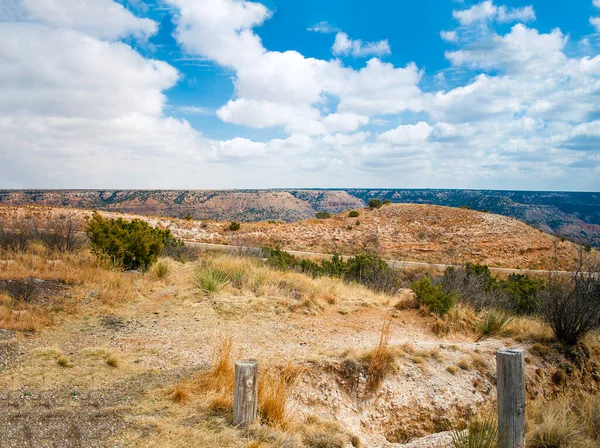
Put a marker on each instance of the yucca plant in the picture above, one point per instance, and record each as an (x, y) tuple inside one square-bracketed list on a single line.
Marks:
[(210, 280), (492, 322), (479, 434), (162, 270)]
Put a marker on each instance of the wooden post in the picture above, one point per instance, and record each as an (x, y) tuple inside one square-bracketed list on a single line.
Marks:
[(245, 395), (510, 378)]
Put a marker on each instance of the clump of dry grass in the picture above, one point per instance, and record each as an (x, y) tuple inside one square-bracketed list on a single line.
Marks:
[(161, 270), (460, 319), (569, 421), (381, 360), (525, 328), (317, 433), (274, 389)]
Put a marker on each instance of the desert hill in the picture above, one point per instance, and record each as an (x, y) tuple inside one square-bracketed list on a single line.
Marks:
[(408, 232), (575, 215)]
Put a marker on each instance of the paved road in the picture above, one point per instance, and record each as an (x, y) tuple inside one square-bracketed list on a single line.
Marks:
[(393, 263)]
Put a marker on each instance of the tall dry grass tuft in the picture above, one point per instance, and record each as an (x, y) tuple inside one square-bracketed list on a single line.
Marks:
[(568, 421), (381, 359), (274, 392)]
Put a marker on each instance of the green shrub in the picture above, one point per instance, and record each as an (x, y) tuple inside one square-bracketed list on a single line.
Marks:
[(126, 244), (523, 291), (336, 267), (210, 280), (375, 203), (371, 270), (280, 259), (433, 297), (354, 214), (234, 225), (387, 202), (323, 215)]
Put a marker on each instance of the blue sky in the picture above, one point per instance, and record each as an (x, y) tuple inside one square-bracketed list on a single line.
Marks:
[(241, 94)]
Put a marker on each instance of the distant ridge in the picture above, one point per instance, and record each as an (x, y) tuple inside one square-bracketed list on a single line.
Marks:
[(576, 215)]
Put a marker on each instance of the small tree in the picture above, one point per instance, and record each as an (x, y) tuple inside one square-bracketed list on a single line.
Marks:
[(433, 297), (375, 203), (387, 202), (323, 215), (126, 244), (234, 226), (571, 306), (354, 214)]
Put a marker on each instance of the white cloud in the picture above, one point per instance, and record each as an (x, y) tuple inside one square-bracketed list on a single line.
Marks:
[(596, 3), (487, 11), (405, 135), (195, 110), (343, 45), (526, 118), (322, 27), (595, 21), (449, 36), (522, 50), (287, 89), (100, 18), (508, 15)]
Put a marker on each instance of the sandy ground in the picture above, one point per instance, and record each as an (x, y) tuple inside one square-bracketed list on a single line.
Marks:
[(171, 332)]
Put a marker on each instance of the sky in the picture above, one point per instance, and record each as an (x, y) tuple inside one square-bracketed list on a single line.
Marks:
[(202, 94)]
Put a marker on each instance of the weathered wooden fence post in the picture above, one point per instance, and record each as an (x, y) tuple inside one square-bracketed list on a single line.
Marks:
[(245, 395), (510, 375)]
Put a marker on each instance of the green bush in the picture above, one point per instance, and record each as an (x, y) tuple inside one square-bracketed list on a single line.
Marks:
[(371, 270), (280, 259), (353, 214), (433, 297), (234, 225), (126, 244), (387, 202), (375, 203), (323, 215), (524, 292)]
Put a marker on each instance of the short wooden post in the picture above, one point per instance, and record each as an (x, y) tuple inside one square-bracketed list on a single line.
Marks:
[(245, 395), (510, 377)]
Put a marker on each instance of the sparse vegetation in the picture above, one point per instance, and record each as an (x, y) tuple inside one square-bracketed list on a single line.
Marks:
[(375, 203), (234, 226), (323, 215), (353, 213), (571, 306)]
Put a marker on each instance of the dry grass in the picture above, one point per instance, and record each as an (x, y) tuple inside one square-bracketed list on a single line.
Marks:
[(274, 390), (83, 279), (381, 359), (286, 291), (523, 329), (569, 421), (460, 319)]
